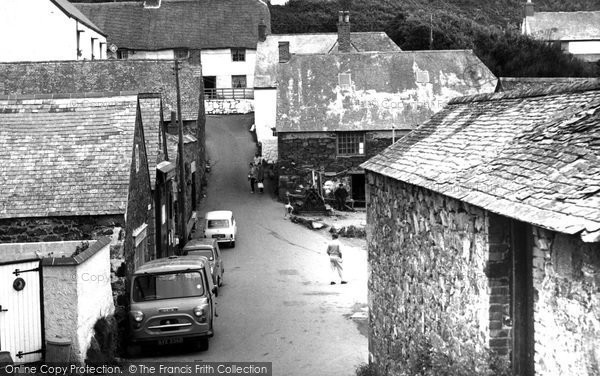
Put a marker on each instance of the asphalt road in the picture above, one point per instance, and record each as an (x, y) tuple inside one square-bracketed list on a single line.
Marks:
[(276, 304)]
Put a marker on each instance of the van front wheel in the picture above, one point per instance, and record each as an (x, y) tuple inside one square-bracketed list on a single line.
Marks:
[(203, 344), (232, 244)]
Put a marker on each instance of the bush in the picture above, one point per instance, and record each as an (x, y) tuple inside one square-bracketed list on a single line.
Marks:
[(103, 346), (365, 369)]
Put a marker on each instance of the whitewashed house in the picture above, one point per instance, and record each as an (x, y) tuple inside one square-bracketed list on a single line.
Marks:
[(219, 34), (268, 60), (41, 30), (577, 32)]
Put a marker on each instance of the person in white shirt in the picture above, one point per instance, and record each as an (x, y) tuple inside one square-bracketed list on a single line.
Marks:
[(335, 259)]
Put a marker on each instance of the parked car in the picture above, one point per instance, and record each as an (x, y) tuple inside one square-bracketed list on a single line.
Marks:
[(172, 300), (221, 225), (208, 248)]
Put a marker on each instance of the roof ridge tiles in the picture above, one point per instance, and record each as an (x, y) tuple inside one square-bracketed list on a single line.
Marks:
[(557, 89), (74, 95)]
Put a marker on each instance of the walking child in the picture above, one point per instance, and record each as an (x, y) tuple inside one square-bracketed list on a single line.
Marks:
[(335, 259), (252, 177)]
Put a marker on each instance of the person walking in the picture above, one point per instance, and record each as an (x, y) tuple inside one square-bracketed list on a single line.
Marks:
[(252, 177), (335, 259), (340, 196), (260, 177)]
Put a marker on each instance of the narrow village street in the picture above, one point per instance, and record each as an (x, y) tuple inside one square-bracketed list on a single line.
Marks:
[(276, 304)]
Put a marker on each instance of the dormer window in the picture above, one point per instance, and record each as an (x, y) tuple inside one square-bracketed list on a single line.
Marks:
[(238, 54), (345, 81)]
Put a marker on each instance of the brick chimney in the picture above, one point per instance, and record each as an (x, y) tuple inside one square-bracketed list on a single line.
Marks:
[(344, 31), (284, 52), (152, 4), (262, 31), (528, 9)]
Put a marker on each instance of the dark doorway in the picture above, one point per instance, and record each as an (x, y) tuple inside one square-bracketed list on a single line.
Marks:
[(522, 298), (358, 189), (210, 86)]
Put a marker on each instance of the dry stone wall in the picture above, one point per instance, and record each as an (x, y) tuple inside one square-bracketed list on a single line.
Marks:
[(427, 257), (566, 279)]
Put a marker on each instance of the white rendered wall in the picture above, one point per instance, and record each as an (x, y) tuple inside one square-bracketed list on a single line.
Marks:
[(152, 55), (265, 116), (37, 30), (219, 63), (584, 47)]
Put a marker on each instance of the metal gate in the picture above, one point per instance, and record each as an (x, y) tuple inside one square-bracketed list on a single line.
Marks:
[(21, 310)]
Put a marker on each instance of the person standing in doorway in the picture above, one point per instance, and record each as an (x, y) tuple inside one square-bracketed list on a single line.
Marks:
[(335, 259), (340, 196), (252, 177)]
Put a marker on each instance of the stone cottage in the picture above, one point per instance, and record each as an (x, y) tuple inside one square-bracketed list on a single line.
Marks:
[(221, 34), (267, 62), (141, 76), (483, 231), (76, 168), (334, 111), (578, 33)]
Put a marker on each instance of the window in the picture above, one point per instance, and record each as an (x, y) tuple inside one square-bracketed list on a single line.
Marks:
[(181, 53), (238, 81), (238, 54), (345, 81), (351, 143)]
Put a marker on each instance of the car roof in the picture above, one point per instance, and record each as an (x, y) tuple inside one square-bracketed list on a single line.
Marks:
[(204, 243), (219, 214), (172, 263)]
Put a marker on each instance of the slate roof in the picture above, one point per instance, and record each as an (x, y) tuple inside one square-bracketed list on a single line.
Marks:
[(150, 109), (389, 89), (530, 83), (193, 24), (72, 11), (66, 156), (563, 25), (267, 52), (146, 76), (531, 155)]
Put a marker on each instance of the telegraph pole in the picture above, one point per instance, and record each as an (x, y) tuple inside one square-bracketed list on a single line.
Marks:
[(181, 185)]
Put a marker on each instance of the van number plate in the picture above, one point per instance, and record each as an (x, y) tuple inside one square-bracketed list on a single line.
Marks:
[(170, 341)]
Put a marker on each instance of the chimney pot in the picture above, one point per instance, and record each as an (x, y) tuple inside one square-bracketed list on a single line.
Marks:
[(528, 9), (262, 31), (340, 16), (344, 44), (284, 51)]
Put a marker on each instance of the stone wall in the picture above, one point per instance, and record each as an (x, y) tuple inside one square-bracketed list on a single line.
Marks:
[(48, 229), (228, 106), (77, 292), (316, 150), (427, 255), (566, 279)]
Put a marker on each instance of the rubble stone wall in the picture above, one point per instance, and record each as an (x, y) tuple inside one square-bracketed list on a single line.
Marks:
[(48, 229), (427, 255), (319, 149), (566, 279), (228, 106)]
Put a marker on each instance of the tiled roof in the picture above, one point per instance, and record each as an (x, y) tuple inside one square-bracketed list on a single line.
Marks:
[(194, 24), (388, 89), (150, 108), (146, 76), (71, 11), (563, 25), (66, 156), (531, 155), (530, 83), (267, 52)]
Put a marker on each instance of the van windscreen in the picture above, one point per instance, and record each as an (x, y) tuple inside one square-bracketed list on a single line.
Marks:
[(218, 223), (167, 286)]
